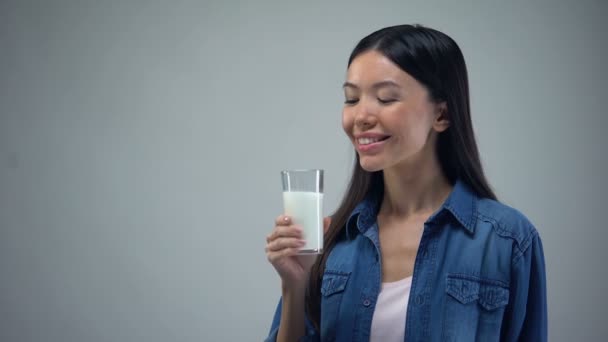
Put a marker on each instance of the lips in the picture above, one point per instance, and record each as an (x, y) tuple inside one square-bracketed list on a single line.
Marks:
[(370, 140), (370, 143)]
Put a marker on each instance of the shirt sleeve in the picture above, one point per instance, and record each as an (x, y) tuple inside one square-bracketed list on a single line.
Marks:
[(311, 333), (526, 315)]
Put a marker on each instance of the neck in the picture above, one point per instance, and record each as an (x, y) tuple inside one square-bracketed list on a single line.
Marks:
[(414, 189)]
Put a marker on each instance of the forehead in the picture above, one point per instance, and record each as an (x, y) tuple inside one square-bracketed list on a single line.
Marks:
[(372, 67)]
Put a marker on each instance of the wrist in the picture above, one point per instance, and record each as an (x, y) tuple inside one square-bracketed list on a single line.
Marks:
[(293, 290)]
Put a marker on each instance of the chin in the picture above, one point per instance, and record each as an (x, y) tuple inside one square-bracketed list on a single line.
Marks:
[(370, 166)]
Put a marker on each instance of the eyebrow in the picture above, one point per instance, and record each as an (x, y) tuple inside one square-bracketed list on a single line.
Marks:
[(377, 85)]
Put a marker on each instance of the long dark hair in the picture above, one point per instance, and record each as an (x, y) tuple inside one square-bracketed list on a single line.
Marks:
[(435, 60)]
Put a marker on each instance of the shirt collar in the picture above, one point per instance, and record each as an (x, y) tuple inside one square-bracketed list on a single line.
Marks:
[(461, 204), (364, 214)]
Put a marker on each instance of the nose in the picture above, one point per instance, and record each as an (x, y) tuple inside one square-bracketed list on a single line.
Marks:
[(365, 117)]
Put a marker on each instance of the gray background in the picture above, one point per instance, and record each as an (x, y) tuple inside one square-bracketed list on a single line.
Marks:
[(141, 143)]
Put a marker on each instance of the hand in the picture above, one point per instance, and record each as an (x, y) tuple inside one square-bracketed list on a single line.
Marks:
[(282, 247)]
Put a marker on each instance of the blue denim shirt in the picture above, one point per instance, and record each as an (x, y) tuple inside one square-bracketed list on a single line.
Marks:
[(479, 275)]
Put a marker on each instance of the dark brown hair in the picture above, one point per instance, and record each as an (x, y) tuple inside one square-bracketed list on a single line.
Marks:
[(435, 60)]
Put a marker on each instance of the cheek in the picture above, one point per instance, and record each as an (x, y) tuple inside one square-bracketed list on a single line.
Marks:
[(408, 128), (347, 122)]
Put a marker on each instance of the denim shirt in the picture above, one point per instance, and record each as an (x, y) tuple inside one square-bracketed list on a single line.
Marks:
[(479, 275)]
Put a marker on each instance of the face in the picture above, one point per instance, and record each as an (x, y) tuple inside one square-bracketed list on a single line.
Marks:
[(388, 115)]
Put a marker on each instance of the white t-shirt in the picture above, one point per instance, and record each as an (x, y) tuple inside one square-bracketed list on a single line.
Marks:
[(388, 322)]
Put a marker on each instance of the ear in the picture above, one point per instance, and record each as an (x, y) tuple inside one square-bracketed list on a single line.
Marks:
[(441, 122)]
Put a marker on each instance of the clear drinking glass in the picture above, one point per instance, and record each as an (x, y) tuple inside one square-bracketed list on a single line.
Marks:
[(303, 202)]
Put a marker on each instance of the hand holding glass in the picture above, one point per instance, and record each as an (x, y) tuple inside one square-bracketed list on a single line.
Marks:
[(303, 202)]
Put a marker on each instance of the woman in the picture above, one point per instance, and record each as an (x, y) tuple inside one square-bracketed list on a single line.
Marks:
[(419, 249)]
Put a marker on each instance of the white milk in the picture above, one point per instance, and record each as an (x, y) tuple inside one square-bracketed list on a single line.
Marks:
[(306, 210)]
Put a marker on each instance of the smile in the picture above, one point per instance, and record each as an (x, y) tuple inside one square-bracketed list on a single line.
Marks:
[(370, 145), (367, 141)]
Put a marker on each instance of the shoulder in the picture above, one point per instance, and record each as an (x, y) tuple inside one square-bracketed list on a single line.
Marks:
[(507, 222)]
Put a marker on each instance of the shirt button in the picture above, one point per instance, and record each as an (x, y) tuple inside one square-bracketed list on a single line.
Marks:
[(367, 302), (419, 300)]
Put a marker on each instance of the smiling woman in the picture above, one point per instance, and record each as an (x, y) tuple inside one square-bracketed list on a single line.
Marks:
[(387, 113), (420, 248)]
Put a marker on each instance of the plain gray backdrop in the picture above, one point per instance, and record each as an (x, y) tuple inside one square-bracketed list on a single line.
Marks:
[(141, 144)]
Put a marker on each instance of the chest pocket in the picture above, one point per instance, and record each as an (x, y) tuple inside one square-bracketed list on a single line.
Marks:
[(332, 290), (474, 308), (333, 282)]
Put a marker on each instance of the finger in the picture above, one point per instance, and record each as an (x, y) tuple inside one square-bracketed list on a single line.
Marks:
[(289, 252), (326, 223), (285, 253), (282, 243), (282, 220), (284, 231)]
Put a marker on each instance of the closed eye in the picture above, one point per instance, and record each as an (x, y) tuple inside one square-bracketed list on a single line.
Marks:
[(386, 101), (351, 101)]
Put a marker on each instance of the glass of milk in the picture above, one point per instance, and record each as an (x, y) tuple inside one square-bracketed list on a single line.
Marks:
[(303, 202)]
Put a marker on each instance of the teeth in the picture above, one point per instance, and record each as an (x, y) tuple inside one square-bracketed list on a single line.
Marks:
[(367, 141)]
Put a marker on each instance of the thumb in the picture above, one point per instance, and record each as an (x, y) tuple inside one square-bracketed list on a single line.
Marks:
[(326, 223)]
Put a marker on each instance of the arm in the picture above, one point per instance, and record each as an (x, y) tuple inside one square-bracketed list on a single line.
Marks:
[(297, 327), (290, 323), (526, 316)]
